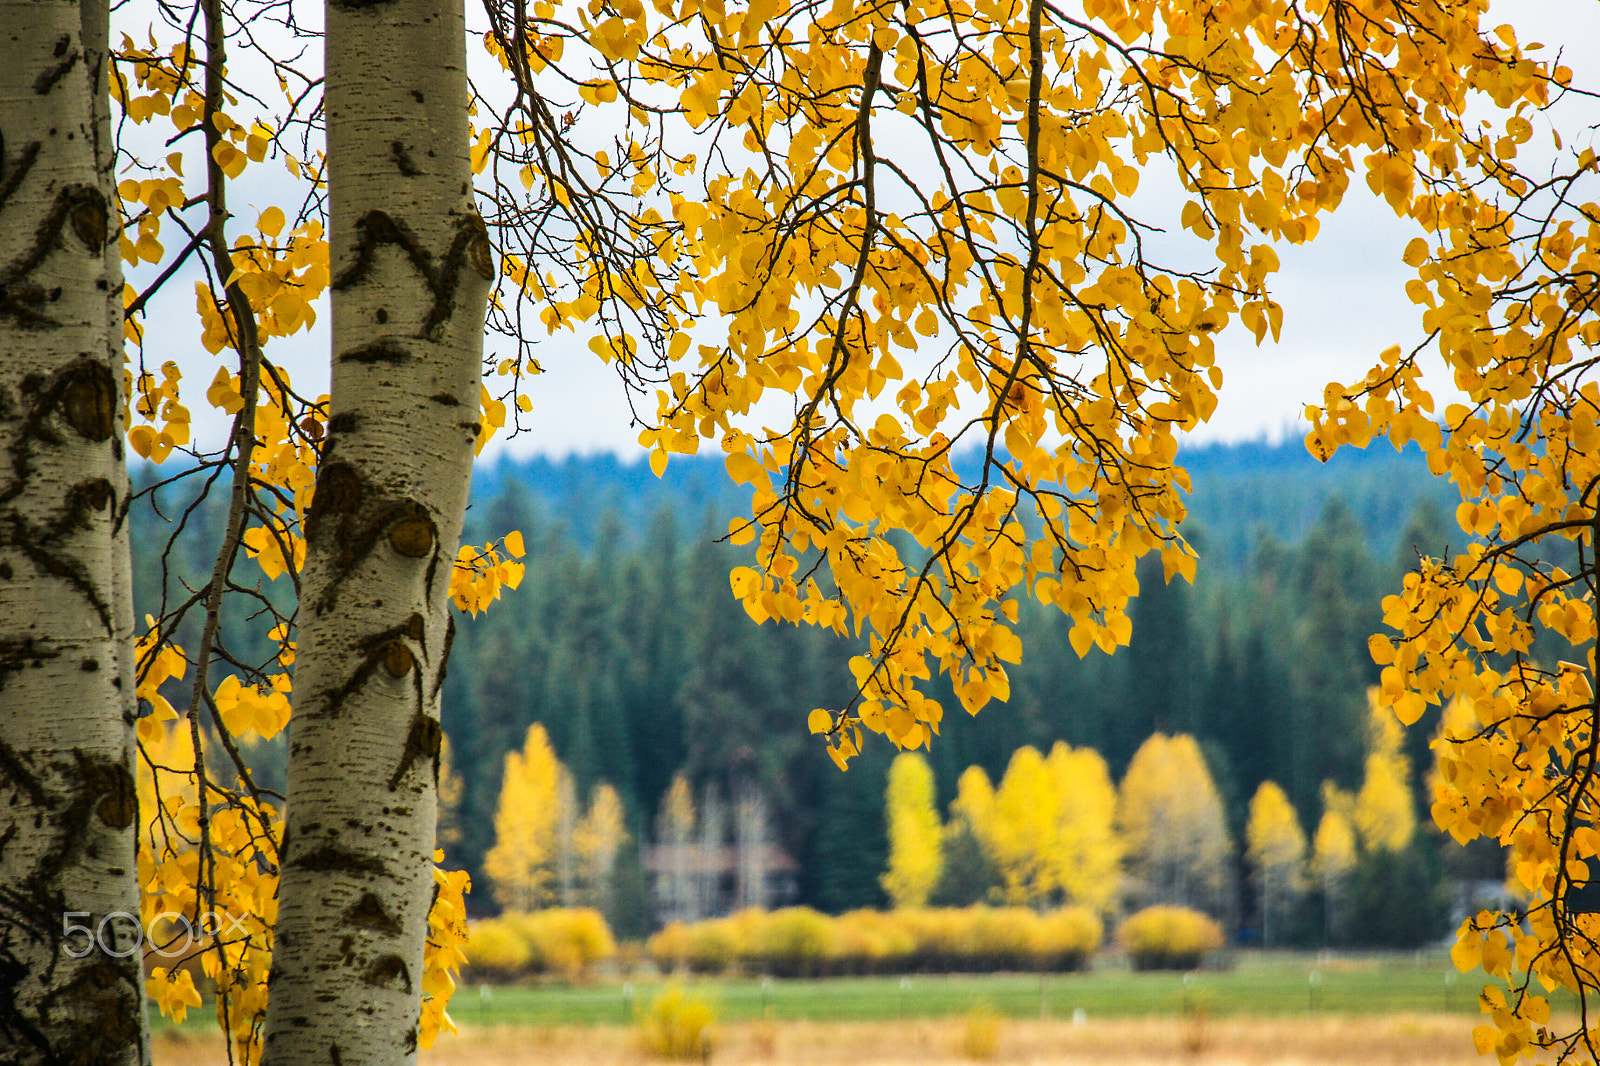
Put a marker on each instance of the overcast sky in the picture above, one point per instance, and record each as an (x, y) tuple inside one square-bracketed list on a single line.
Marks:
[(1342, 295)]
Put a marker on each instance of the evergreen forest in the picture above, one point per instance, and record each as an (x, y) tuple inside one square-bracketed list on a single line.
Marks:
[(624, 642)]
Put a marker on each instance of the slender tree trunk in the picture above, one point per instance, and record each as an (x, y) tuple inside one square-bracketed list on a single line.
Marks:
[(70, 981), (411, 269)]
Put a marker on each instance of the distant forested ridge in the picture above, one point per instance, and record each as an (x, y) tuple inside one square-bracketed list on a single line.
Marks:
[(625, 643)]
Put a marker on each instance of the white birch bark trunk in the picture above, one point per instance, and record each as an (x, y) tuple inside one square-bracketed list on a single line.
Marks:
[(566, 829), (752, 845), (411, 269), (713, 830), (67, 800)]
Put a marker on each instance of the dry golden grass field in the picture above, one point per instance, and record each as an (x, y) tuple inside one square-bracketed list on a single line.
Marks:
[(1320, 1040)]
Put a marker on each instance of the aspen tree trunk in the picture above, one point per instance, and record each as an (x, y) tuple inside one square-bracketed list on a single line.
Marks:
[(411, 267), (71, 988)]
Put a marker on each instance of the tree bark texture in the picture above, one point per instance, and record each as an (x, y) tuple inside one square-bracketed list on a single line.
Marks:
[(411, 271), (68, 808)]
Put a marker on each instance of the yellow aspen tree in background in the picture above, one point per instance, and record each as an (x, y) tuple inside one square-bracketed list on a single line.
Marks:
[(916, 856), (600, 835), (1276, 851), (1019, 833), (1333, 859), (973, 808), (522, 863), (1384, 813), (1050, 829), (1086, 856), (1457, 726), (1172, 821)]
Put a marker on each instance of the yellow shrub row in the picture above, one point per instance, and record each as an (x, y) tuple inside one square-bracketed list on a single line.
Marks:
[(799, 941), (565, 941), (1168, 938)]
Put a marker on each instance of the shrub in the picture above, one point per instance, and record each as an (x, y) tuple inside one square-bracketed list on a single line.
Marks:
[(711, 946), (565, 941), (669, 948), (677, 1027), (872, 942), (980, 1034), (797, 942), (1168, 938), (1001, 938), (495, 951), (1069, 938)]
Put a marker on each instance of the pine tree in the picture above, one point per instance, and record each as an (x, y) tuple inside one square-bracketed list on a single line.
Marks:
[(1338, 611), (852, 842), (652, 674), (1161, 665), (970, 875)]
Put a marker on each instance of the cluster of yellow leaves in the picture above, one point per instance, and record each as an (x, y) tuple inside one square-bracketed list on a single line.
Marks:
[(157, 661), (173, 992), (218, 912), (445, 951), (280, 278), (1503, 270), (163, 421), (480, 574), (169, 80), (246, 709)]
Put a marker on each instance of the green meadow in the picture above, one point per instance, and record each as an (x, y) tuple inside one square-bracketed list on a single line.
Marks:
[(1254, 983)]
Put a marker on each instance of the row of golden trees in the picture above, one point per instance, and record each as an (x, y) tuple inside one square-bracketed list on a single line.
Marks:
[(549, 847), (1058, 831)]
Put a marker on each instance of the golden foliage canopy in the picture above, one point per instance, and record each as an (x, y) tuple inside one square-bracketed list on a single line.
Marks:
[(522, 862), (1173, 825)]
